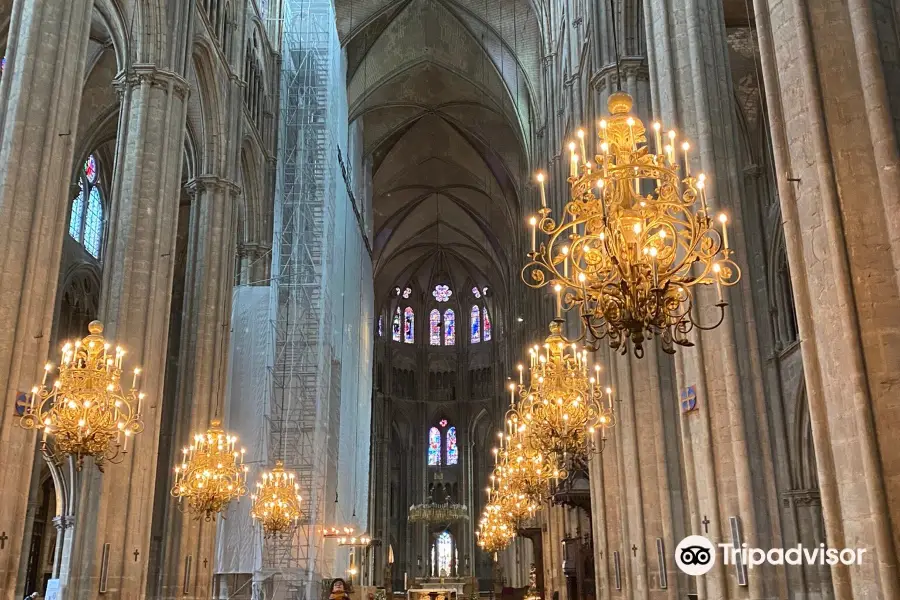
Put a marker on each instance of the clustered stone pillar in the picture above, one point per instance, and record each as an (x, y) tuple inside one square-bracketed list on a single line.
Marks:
[(116, 507), (828, 72), (202, 373), (45, 59)]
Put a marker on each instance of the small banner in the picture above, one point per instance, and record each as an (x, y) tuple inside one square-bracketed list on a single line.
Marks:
[(688, 399)]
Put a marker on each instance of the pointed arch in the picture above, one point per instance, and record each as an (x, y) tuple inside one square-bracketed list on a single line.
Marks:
[(434, 447), (452, 447), (449, 327), (434, 327), (475, 324), (409, 325)]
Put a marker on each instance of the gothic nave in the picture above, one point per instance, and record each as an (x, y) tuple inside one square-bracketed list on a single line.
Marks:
[(449, 299)]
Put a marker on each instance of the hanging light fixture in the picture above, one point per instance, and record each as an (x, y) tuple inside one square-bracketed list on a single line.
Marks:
[(85, 410), (276, 503), (432, 512), (212, 472), (635, 237), (495, 531), (561, 407), (354, 541)]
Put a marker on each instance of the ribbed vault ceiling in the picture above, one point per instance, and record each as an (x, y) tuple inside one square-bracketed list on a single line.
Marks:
[(445, 91)]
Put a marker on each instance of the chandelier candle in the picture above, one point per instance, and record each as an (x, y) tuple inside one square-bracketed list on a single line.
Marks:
[(627, 261)]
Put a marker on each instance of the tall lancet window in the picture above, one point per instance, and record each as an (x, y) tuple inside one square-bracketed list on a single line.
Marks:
[(444, 554), (449, 327), (434, 327), (86, 218), (487, 326), (452, 449), (408, 325), (396, 326), (434, 447), (476, 325)]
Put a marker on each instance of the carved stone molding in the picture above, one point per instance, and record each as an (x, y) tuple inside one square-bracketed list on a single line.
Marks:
[(211, 183), (141, 74), (801, 498), (628, 66)]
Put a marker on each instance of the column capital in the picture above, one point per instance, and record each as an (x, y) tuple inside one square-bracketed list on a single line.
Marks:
[(211, 183), (629, 65), (156, 77)]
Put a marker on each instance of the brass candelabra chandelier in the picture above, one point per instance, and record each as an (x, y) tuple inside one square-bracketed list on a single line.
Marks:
[(276, 503), (634, 239), (85, 409), (561, 407), (433, 512), (212, 472)]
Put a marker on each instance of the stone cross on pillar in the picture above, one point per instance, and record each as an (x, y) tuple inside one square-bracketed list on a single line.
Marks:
[(706, 523), (3, 538)]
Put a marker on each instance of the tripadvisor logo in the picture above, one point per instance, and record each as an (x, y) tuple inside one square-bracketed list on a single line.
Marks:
[(696, 555)]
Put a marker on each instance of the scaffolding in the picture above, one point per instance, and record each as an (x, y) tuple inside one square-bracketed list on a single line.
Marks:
[(321, 305), (302, 377)]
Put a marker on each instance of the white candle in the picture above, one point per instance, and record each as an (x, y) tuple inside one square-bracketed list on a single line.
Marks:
[(533, 223), (573, 172), (723, 220), (687, 161), (558, 290), (581, 140), (658, 137), (540, 179)]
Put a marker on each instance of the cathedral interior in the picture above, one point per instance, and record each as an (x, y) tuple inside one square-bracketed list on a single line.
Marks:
[(449, 299)]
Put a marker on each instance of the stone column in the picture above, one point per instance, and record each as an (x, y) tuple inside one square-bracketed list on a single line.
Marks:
[(116, 507), (205, 336), (40, 97), (697, 99), (831, 92)]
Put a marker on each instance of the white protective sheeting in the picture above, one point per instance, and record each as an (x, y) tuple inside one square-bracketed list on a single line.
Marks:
[(239, 542)]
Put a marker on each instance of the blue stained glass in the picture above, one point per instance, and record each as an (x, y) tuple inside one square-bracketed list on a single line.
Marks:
[(449, 327), (77, 215), (434, 447), (93, 223), (396, 326), (408, 325), (452, 450), (434, 327), (442, 293), (487, 325), (476, 325)]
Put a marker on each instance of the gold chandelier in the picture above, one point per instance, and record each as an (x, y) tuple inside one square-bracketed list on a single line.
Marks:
[(212, 472), (355, 541), (561, 406), (276, 503), (628, 259), (86, 410), (495, 531)]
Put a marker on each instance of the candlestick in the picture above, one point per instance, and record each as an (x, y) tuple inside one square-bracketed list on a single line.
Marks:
[(573, 171), (723, 220), (137, 372), (717, 268), (540, 179), (701, 185), (630, 122), (47, 368), (558, 290), (581, 141), (603, 130), (687, 161), (533, 223), (521, 373), (658, 138), (565, 252), (609, 398)]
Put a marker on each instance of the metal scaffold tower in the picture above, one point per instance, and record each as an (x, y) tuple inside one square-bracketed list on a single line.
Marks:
[(302, 372)]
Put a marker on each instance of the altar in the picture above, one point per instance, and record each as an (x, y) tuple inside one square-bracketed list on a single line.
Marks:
[(444, 588)]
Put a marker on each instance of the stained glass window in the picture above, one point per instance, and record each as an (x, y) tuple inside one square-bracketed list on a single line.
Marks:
[(476, 325), (487, 325), (77, 214), (396, 291), (407, 292), (86, 218), (93, 223), (452, 450), (90, 169), (434, 446), (434, 327), (396, 326), (476, 293), (380, 326), (442, 293), (443, 422), (449, 327), (2, 65), (444, 553), (408, 325)]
